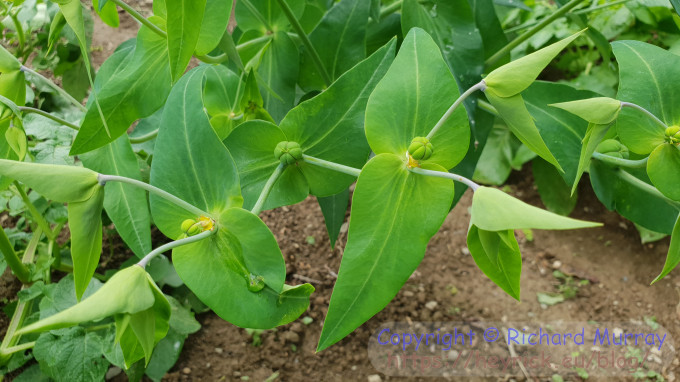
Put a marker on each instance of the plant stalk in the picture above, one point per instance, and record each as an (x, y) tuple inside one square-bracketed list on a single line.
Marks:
[(267, 189), (144, 138), (644, 111), (332, 166), (439, 174), (644, 186), (39, 219), (17, 24), (575, 13), (481, 85), (138, 16), (620, 161), (45, 114), (525, 36), (174, 244), (54, 86), (154, 190), (12, 259), (305, 40), (388, 10)]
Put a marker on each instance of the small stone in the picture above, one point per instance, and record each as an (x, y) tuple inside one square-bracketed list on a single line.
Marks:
[(556, 264), (615, 302), (374, 378), (113, 372), (465, 251), (408, 293), (219, 350), (297, 328), (431, 305), (291, 337), (344, 227), (354, 367), (186, 370)]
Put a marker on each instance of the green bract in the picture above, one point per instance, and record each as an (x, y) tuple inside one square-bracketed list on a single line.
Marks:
[(600, 110)]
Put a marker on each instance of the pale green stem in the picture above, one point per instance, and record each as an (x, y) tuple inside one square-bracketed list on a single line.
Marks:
[(54, 86), (138, 16), (388, 10), (145, 137), (440, 174), (644, 111), (579, 12), (42, 223), (481, 85), (331, 165), (620, 161), (154, 190), (644, 186), (174, 244), (305, 40), (267, 189), (487, 107), (45, 114), (525, 36), (224, 57), (18, 348), (12, 259)]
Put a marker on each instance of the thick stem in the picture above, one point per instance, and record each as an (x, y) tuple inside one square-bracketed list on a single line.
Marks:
[(644, 111), (138, 16), (174, 244), (332, 166), (440, 174), (144, 138), (481, 85), (525, 36), (388, 10), (54, 86), (154, 190), (39, 219), (620, 161), (12, 259), (575, 13), (267, 189), (646, 187), (45, 114), (487, 107), (305, 40)]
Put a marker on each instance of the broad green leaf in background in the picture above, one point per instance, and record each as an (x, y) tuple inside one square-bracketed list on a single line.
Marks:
[(490, 29), (663, 168), (599, 110), (394, 214), (497, 255), (125, 204), (334, 208), (8, 63), (72, 355), (673, 257), (196, 167), (494, 210), (85, 225), (13, 89), (412, 97), (135, 92), (512, 78), (184, 19), (340, 41), (218, 270), (554, 191), (107, 11), (265, 15), (647, 78), (502, 153), (599, 40), (632, 196), (58, 183), (251, 103), (278, 71), (213, 26)]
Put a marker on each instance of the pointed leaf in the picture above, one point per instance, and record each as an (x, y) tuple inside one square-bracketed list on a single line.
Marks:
[(494, 210), (278, 70), (673, 257), (265, 15), (663, 168), (58, 183), (600, 110), (13, 89), (107, 12), (594, 136), (85, 224), (384, 246), (334, 208), (183, 20), (497, 255), (410, 100), (8, 63)]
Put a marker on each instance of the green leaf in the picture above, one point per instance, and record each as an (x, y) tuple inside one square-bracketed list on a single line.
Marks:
[(107, 12), (251, 102), (490, 29), (75, 355), (125, 204), (497, 255), (514, 112), (182, 319), (514, 77), (502, 153), (645, 72), (594, 136), (165, 355), (494, 210), (394, 214), (58, 183), (340, 41), (183, 19), (552, 188), (61, 296), (13, 89), (218, 270), (136, 91), (632, 196), (265, 15), (56, 26), (8, 63), (673, 257), (16, 138), (409, 101), (663, 168), (197, 167), (278, 70), (334, 208), (599, 110), (214, 25), (85, 224)]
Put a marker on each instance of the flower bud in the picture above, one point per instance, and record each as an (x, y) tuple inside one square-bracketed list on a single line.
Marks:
[(420, 148), (186, 225), (288, 152), (673, 134), (613, 148)]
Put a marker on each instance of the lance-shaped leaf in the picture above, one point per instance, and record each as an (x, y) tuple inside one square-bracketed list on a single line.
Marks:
[(594, 136), (85, 224), (266, 15), (58, 183), (137, 91), (512, 78), (394, 214), (278, 70), (410, 100), (184, 18), (647, 77), (494, 210), (213, 26), (8, 63), (239, 273), (497, 254), (599, 110), (340, 41), (190, 162), (673, 256), (328, 126), (333, 209), (663, 168)]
